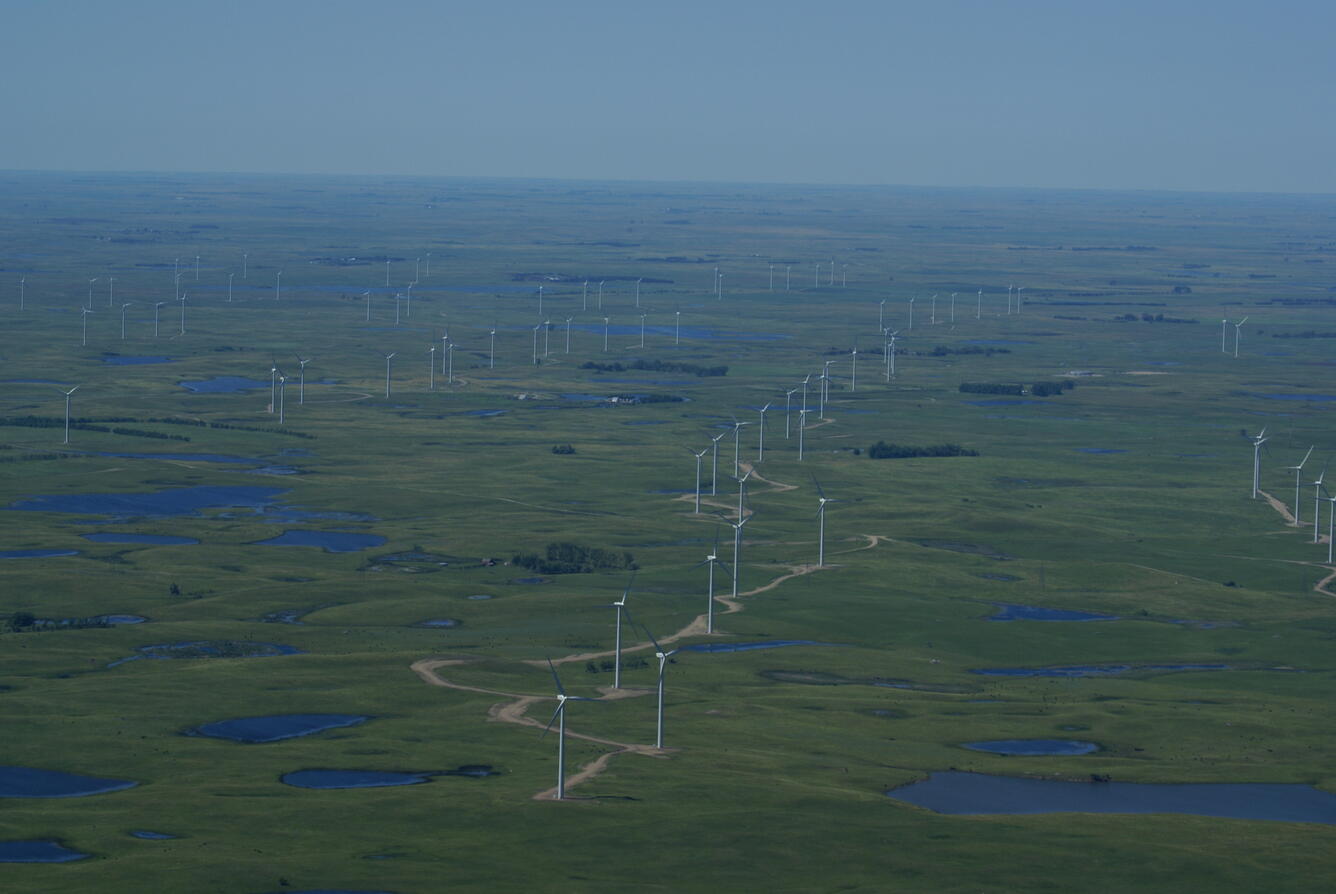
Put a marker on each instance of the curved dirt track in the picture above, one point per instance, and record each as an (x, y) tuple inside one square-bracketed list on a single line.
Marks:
[(1320, 586), (516, 709)]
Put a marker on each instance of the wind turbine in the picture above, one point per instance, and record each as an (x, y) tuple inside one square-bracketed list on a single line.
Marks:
[(712, 559), (229, 287), (67, 412), (760, 450), (1317, 495), (881, 315), (802, 424), (714, 462), (620, 605), (932, 317), (953, 307), (273, 386), (367, 293), (742, 493), (737, 547), (816, 282), (978, 307), (450, 364), (605, 335), (196, 268), (182, 299), (853, 375), (540, 302), (911, 314), (638, 282), (123, 307), (388, 359), (111, 290), (1009, 289), (1258, 440), (663, 657), (1296, 470), (677, 328), (568, 334), (90, 292), (737, 430), (642, 330), (584, 296), (1331, 526), (772, 277), (699, 457), (600, 293), (301, 382), (282, 390), (84, 312), (1224, 324), (387, 273), (547, 334), (491, 348), (788, 269), (535, 343), (822, 500), (788, 403), (22, 284), (278, 285), (559, 717), (431, 367), (156, 308), (245, 265), (1236, 336)]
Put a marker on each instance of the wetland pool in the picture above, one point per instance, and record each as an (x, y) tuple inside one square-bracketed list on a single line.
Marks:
[(37, 850), (275, 727), (329, 541), (1033, 747), (29, 782), (1008, 612)]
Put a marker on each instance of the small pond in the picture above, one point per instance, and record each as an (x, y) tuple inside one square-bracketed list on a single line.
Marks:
[(329, 541), (1038, 613), (438, 622), (36, 553), (275, 727), (184, 457), (350, 778), (146, 835), (1317, 398), (209, 649), (27, 782), (978, 793), (224, 385), (154, 539), (37, 850), (478, 597), (122, 619), (1003, 402), (1033, 747)]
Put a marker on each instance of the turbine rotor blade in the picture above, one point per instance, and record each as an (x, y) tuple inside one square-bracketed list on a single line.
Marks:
[(550, 666)]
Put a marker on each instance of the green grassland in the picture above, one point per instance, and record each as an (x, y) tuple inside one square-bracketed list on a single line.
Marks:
[(778, 760)]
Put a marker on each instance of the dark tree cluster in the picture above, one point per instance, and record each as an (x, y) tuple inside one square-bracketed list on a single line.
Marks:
[(882, 450), (571, 558), (670, 366)]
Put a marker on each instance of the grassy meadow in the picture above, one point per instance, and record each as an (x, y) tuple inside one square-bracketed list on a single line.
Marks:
[(1129, 495)]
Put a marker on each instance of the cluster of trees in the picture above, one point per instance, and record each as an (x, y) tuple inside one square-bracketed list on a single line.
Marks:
[(657, 398), (669, 366), (1309, 333), (563, 449), (987, 351), (882, 450), (200, 423), (606, 665), (1148, 318), (991, 388), (24, 622), (571, 558)]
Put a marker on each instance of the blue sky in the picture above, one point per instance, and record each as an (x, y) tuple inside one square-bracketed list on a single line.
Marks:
[(1225, 96)]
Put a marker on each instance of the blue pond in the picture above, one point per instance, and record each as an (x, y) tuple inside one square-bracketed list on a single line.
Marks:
[(438, 622), (26, 782), (482, 413), (477, 597), (1037, 613), (329, 541), (1305, 397), (155, 539), (32, 382), (146, 835), (122, 360), (123, 619), (1033, 746), (748, 647), (1091, 670), (36, 553), (171, 501), (1099, 450), (350, 778), (224, 385), (977, 793), (37, 851), (274, 727), (209, 649)]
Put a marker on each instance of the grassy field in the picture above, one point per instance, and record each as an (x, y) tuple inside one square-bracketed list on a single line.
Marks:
[(1129, 494)]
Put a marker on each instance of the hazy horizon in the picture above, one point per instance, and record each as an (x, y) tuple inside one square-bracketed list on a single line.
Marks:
[(965, 94)]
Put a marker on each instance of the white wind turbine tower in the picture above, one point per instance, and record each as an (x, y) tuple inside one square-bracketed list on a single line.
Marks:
[(605, 335), (84, 312), (282, 390), (584, 296), (853, 375), (387, 273), (278, 285), (1331, 526), (156, 308), (196, 268), (932, 317), (426, 270), (123, 307), (890, 353), (301, 381), (1258, 440), (491, 348), (978, 307), (1236, 336), (760, 450), (911, 315), (245, 265), (802, 425), (547, 335), (788, 404), (559, 717), (816, 281), (540, 302), (677, 327), (663, 657), (535, 343), (742, 493), (881, 315), (953, 306), (367, 293), (111, 290), (788, 269), (229, 287), (1009, 289), (642, 330), (90, 292), (431, 367), (389, 358), (772, 277), (22, 283), (638, 282), (1296, 470), (737, 547), (712, 559), (1224, 327), (714, 462), (273, 386), (600, 293), (568, 334), (450, 364), (67, 412), (1317, 496), (699, 457), (737, 430), (182, 299), (822, 500), (620, 606)]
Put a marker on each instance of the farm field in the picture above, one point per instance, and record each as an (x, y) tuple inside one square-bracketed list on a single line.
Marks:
[(202, 546)]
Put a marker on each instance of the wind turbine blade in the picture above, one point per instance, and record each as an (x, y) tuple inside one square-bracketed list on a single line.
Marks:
[(550, 666), (657, 647), (560, 707), (820, 493)]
